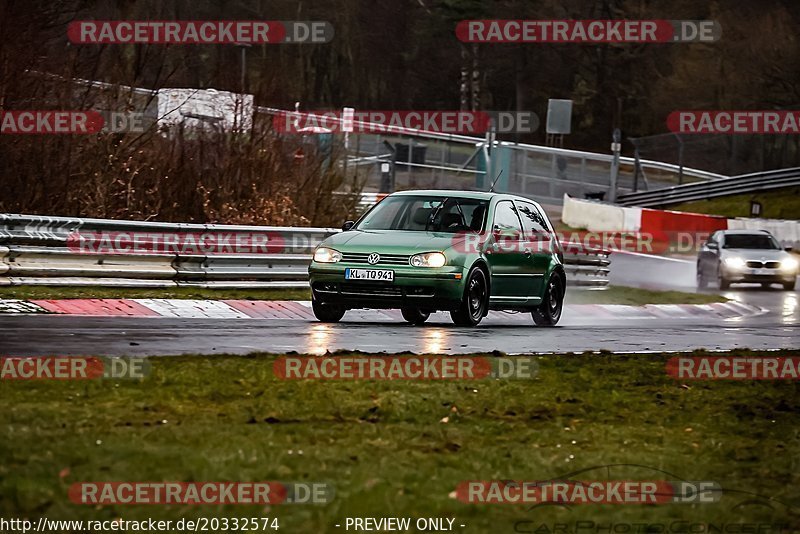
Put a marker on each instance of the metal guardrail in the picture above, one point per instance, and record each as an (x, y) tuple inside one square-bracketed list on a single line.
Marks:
[(34, 251), (746, 183)]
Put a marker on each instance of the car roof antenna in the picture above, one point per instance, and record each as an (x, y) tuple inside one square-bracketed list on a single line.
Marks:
[(499, 174)]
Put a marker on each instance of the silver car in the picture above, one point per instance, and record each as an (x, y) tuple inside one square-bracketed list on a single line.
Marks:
[(733, 256)]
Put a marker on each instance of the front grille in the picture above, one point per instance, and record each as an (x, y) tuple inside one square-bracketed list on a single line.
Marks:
[(365, 289), (374, 290), (755, 264), (386, 259)]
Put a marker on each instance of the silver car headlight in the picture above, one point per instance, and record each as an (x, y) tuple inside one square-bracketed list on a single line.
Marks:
[(429, 259), (734, 263), (789, 265), (327, 255)]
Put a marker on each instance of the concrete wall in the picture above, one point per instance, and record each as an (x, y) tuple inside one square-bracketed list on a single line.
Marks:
[(662, 224)]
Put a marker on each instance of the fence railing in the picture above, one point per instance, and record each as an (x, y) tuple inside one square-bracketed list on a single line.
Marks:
[(42, 250), (746, 183), (434, 160)]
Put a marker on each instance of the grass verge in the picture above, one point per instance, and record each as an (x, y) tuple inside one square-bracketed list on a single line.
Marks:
[(385, 447), (780, 204), (633, 296)]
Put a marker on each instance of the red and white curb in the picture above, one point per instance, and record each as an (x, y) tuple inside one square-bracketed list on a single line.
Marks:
[(301, 310)]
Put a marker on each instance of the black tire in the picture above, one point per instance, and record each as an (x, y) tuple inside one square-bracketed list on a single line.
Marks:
[(415, 315), (702, 281), (722, 282), (475, 302), (549, 311), (327, 313), (788, 286)]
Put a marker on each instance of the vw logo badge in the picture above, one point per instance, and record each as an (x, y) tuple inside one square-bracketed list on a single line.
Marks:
[(373, 258)]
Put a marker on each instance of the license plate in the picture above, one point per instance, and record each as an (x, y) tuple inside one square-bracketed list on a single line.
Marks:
[(378, 275), (760, 271)]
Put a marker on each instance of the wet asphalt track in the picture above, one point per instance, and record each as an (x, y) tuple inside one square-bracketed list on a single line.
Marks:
[(779, 327)]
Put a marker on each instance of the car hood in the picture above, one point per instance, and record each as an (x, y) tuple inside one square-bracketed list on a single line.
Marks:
[(393, 241), (755, 253)]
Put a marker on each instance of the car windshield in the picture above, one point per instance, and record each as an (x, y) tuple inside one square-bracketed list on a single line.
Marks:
[(427, 214), (753, 241)]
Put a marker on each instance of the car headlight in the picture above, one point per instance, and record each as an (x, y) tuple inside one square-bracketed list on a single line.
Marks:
[(734, 263), (789, 265), (327, 255), (429, 259)]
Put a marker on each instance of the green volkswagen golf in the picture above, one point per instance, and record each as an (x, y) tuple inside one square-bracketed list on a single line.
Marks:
[(457, 251)]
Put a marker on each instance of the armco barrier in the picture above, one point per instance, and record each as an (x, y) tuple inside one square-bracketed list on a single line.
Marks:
[(3, 265), (242, 267), (54, 231), (726, 186), (34, 251), (587, 267), (61, 262)]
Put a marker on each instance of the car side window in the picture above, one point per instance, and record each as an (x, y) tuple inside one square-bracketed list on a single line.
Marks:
[(532, 221), (506, 221)]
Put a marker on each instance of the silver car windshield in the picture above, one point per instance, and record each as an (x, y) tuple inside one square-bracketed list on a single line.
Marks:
[(751, 241), (427, 214)]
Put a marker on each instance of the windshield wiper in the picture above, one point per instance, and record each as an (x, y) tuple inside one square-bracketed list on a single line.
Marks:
[(464, 218)]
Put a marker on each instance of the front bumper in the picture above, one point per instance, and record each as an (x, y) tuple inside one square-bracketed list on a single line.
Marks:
[(759, 275), (433, 289)]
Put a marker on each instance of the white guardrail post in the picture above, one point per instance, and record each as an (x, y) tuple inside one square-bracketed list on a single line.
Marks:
[(36, 250)]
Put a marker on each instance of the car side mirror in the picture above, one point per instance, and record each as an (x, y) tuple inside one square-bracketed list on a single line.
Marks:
[(347, 225), (712, 246), (788, 249)]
